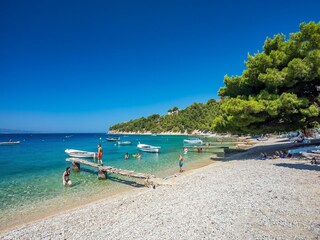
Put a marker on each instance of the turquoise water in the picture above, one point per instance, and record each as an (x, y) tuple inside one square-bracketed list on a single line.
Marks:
[(31, 172)]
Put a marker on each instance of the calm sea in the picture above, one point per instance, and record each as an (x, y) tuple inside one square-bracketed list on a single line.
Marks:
[(31, 172)]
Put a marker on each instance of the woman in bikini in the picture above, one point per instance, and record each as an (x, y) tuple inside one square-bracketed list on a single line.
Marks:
[(65, 177)]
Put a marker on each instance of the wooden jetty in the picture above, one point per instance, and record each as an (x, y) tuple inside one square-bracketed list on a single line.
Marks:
[(103, 170)]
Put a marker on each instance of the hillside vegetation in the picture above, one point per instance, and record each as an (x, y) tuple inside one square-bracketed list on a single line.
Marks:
[(278, 91), (198, 116)]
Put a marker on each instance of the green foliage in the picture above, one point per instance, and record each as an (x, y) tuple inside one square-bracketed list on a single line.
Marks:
[(198, 116), (279, 89)]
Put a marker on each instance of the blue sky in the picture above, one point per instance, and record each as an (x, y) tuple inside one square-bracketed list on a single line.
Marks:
[(81, 66)]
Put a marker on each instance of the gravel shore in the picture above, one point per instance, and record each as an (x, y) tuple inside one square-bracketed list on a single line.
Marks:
[(244, 199)]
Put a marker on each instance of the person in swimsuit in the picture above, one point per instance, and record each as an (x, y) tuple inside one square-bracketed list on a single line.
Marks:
[(181, 158), (99, 153), (65, 177)]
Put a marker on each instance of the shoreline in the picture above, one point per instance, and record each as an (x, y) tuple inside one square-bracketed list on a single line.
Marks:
[(269, 199), (173, 187), (114, 192)]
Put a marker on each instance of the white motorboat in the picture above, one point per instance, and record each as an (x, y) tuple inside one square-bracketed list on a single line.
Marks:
[(125, 143), (148, 148), (80, 154), (113, 139), (197, 141), (10, 143)]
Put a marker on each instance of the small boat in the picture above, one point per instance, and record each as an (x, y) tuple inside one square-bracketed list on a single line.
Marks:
[(148, 148), (115, 139), (193, 141), (124, 143), (9, 143), (80, 154)]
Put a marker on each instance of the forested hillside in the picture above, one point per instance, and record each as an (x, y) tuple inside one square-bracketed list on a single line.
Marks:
[(198, 116)]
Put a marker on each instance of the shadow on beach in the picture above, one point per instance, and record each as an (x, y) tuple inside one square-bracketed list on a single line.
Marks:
[(299, 166), (112, 178), (127, 182), (254, 152)]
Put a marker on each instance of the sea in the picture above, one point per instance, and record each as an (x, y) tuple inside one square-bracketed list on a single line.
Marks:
[(31, 172)]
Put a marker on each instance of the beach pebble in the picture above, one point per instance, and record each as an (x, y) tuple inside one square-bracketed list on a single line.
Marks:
[(247, 199)]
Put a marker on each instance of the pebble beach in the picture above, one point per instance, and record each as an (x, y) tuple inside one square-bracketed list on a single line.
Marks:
[(242, 199)]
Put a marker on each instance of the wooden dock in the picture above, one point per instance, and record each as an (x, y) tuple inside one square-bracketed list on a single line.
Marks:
[(103, 170)]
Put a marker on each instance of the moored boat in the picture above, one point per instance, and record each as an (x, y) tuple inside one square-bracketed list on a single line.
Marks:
[(10, 143), (80, 153), (148, 148), (113, 139), (197, 141), (125, 143)]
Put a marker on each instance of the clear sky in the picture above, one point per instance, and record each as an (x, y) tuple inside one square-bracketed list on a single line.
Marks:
[(81, 66)]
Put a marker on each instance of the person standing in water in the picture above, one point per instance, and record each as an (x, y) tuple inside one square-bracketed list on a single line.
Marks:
[(65, 177), (181, 158), (99, 154)]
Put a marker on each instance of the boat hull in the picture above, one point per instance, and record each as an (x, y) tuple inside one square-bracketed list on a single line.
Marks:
[(195, 142), (155, 150), (148, 148), (113, 139), (80, 154), (125, 143), (9, 143)]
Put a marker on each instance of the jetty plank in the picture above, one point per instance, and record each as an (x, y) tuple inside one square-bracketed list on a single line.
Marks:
[(109, 169)]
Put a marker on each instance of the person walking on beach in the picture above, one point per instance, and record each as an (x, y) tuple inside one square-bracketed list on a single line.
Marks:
[(181, 158), (65, 177), (99, 154)]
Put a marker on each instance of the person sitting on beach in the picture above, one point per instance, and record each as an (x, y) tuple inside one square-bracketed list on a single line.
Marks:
[(65, 177), (300, 139), (283, 155), (263, 156), (126, 156), (276, 155)]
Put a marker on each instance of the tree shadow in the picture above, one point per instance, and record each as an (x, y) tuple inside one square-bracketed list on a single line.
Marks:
[(299, 166)]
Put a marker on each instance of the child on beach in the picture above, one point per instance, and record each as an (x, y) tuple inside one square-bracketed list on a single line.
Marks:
[(181, 162)]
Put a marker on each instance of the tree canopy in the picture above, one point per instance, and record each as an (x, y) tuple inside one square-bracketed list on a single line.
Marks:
[(278, 90), (198, 116)]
